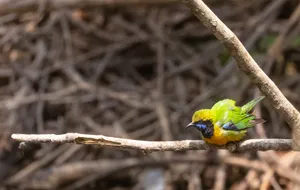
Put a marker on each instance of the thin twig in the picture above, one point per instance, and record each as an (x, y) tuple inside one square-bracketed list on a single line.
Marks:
[(105, 141), (29, 169), (276, 49)]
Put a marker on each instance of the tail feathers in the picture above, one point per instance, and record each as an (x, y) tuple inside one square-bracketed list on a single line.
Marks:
[(249, 121), (257, 121), (243, 126), (249, 106)]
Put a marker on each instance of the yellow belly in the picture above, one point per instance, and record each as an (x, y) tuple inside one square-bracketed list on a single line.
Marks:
[(222, 137)]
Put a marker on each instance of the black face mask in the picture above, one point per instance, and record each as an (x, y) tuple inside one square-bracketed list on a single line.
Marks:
[(205, 127)]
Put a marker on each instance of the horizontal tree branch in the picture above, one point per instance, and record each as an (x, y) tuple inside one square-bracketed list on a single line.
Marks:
[(149, 146)]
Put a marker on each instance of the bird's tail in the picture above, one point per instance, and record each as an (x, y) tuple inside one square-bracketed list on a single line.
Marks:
[(249, 106)]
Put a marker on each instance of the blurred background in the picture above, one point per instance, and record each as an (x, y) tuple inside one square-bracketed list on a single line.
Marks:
[(138, 69)]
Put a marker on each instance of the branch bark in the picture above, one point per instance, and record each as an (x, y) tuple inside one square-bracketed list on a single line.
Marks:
[(247, 64), (149, 146)]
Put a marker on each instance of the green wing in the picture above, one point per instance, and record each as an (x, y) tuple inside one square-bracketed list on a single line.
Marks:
[(223, 110), (232, 117), (249, 106)]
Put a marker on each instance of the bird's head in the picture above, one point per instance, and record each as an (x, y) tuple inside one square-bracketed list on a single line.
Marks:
[(203, 120)]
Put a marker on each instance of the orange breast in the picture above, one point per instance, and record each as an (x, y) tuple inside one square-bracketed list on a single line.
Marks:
[(222, 137)]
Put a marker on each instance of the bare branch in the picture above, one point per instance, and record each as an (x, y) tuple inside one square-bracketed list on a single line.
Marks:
[(246, 63), (105, 141)]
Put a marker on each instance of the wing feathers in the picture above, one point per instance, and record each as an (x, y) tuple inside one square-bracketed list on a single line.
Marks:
[(234, 118), (249, 106)]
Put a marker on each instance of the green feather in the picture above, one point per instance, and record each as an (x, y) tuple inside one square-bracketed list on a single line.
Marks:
[(249, 106), (225, 111)]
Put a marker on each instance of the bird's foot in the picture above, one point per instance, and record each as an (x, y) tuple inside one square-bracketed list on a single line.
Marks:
[(232, 146)]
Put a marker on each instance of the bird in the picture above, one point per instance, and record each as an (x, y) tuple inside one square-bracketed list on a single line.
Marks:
[(225, 122)]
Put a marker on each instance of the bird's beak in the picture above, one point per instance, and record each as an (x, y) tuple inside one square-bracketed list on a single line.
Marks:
[(190, 125)]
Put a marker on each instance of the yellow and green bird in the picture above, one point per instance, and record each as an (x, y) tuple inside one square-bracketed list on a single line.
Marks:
[(225, 122)]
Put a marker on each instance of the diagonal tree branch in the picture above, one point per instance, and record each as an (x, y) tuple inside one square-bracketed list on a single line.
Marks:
[(247, 64), (149, 146)]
